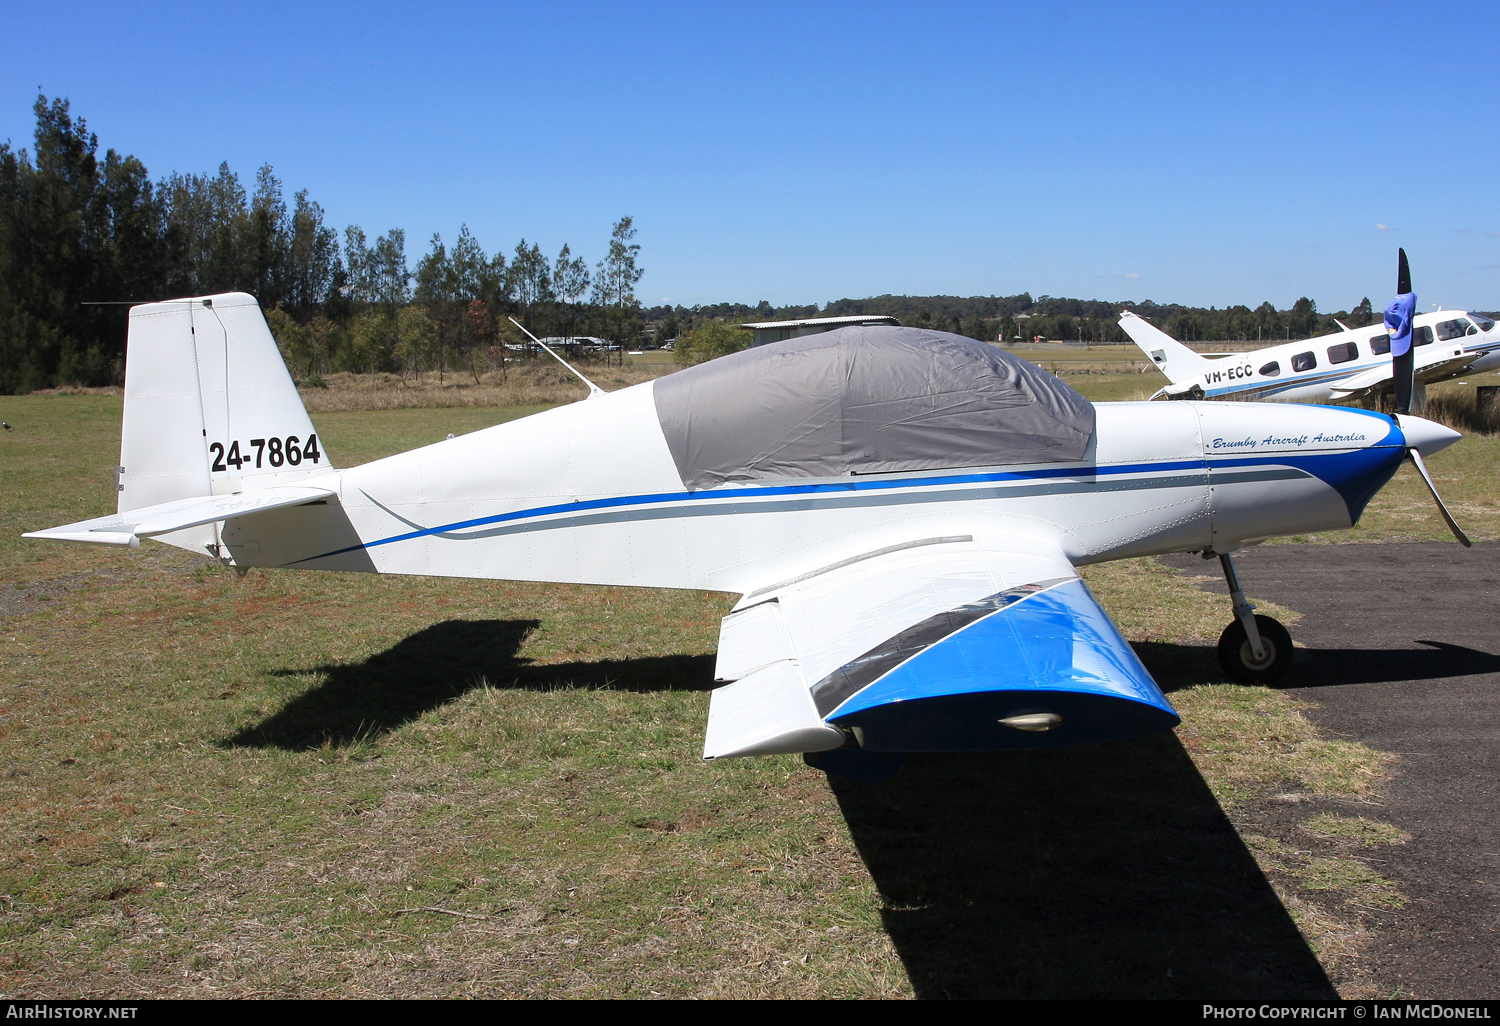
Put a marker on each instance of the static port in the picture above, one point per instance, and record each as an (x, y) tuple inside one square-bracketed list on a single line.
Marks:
[(1035, 721)]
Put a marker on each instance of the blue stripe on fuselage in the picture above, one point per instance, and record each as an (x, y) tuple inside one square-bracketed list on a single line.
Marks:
[(853, 485), (1331, 467)]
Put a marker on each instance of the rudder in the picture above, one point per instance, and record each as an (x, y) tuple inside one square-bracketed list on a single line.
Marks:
[(209, 409)]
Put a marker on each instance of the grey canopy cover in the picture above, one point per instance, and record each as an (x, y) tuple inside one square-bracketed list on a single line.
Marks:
[(866, 400)]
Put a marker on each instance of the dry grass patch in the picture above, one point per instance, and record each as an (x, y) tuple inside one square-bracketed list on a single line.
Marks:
[(1355, 828), (536, 383), (1364, 885), (1251, 741)]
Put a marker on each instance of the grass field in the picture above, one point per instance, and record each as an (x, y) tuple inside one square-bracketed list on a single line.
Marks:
[(303, 784)]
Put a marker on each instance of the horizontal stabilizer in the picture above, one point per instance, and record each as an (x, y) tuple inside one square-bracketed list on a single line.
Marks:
[(127, 529), (770, 712)]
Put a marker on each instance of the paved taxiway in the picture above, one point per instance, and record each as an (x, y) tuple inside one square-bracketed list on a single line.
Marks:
[(1403, 654)]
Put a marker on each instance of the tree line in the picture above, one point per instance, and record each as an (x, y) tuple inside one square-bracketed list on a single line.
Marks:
[(1018, 318), (83, 236)]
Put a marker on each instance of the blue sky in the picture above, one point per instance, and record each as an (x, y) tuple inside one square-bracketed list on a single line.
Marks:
[(1198, 153)]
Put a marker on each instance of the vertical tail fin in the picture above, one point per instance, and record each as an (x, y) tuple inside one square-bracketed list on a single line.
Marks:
[(209, 408), (1174, 359)]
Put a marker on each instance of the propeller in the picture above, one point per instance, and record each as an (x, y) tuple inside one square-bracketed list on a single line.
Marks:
[(1422, 434), (1404, 308)]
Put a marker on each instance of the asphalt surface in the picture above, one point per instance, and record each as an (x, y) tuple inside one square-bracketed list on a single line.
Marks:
[(1403, 654)]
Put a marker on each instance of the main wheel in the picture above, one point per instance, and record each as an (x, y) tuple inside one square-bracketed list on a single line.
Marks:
[(1238, 660)]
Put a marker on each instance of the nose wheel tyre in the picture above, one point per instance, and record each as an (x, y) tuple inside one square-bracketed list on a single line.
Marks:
[(1238, 660)]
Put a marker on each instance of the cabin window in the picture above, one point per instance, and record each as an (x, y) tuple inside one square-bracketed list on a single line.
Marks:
[(1421, 336), (1485, 324), (1343, 352), (1304, 362), (1380, 345), (1456, 328), (1271, 369)]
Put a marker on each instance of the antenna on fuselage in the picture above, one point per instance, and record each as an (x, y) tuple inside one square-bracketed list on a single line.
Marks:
[(593, 388)]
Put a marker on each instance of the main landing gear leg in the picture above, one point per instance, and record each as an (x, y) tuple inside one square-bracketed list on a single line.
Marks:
[(1253, 649)]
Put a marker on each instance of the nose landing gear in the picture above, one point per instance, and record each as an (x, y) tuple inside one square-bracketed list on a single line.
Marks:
[(1253, 649)]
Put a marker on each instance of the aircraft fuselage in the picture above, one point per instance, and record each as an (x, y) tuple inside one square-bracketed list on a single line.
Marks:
[(588, 493)]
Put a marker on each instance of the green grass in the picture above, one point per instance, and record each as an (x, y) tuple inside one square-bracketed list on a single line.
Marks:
[(303, 784)]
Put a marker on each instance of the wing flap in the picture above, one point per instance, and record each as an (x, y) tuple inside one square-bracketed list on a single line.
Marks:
[(750, 639), (130, 527), (768, 712)]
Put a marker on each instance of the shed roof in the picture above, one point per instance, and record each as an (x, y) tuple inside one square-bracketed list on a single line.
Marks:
[(813, 322)]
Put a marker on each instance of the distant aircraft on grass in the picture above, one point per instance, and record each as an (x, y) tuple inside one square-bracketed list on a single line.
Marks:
[(1352, 364), (902, 512)]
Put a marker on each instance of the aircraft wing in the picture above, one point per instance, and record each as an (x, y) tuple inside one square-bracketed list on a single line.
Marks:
[(880, 650), (1442, 364), (128, 528)]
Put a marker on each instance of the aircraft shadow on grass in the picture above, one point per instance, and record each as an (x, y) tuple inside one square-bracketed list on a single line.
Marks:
[(1105, 870), (438, 664), (1100, 871)]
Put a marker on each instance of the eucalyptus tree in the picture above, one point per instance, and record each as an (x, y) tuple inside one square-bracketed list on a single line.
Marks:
[(389, 273), (265, 239), (359, 272), (468, 268), (570, 280), (435, 290), (529, 279), (312, 258), (73, 229), (207, 223), (615, 281)]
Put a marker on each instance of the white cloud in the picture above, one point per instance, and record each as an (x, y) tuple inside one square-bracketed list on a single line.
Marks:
[(1384, 228)]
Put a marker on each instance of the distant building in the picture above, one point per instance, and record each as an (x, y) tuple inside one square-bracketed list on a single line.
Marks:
[(578, 342), (777, 331)]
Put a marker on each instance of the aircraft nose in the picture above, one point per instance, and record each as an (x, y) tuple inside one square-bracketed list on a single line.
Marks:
[(1425, 436)]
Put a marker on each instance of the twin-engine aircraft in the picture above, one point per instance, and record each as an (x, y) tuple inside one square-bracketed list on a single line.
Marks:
[(902, 512), (1352, 364)]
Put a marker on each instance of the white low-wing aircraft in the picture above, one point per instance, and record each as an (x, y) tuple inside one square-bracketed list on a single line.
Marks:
[(1349, 365), (902, 512)]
